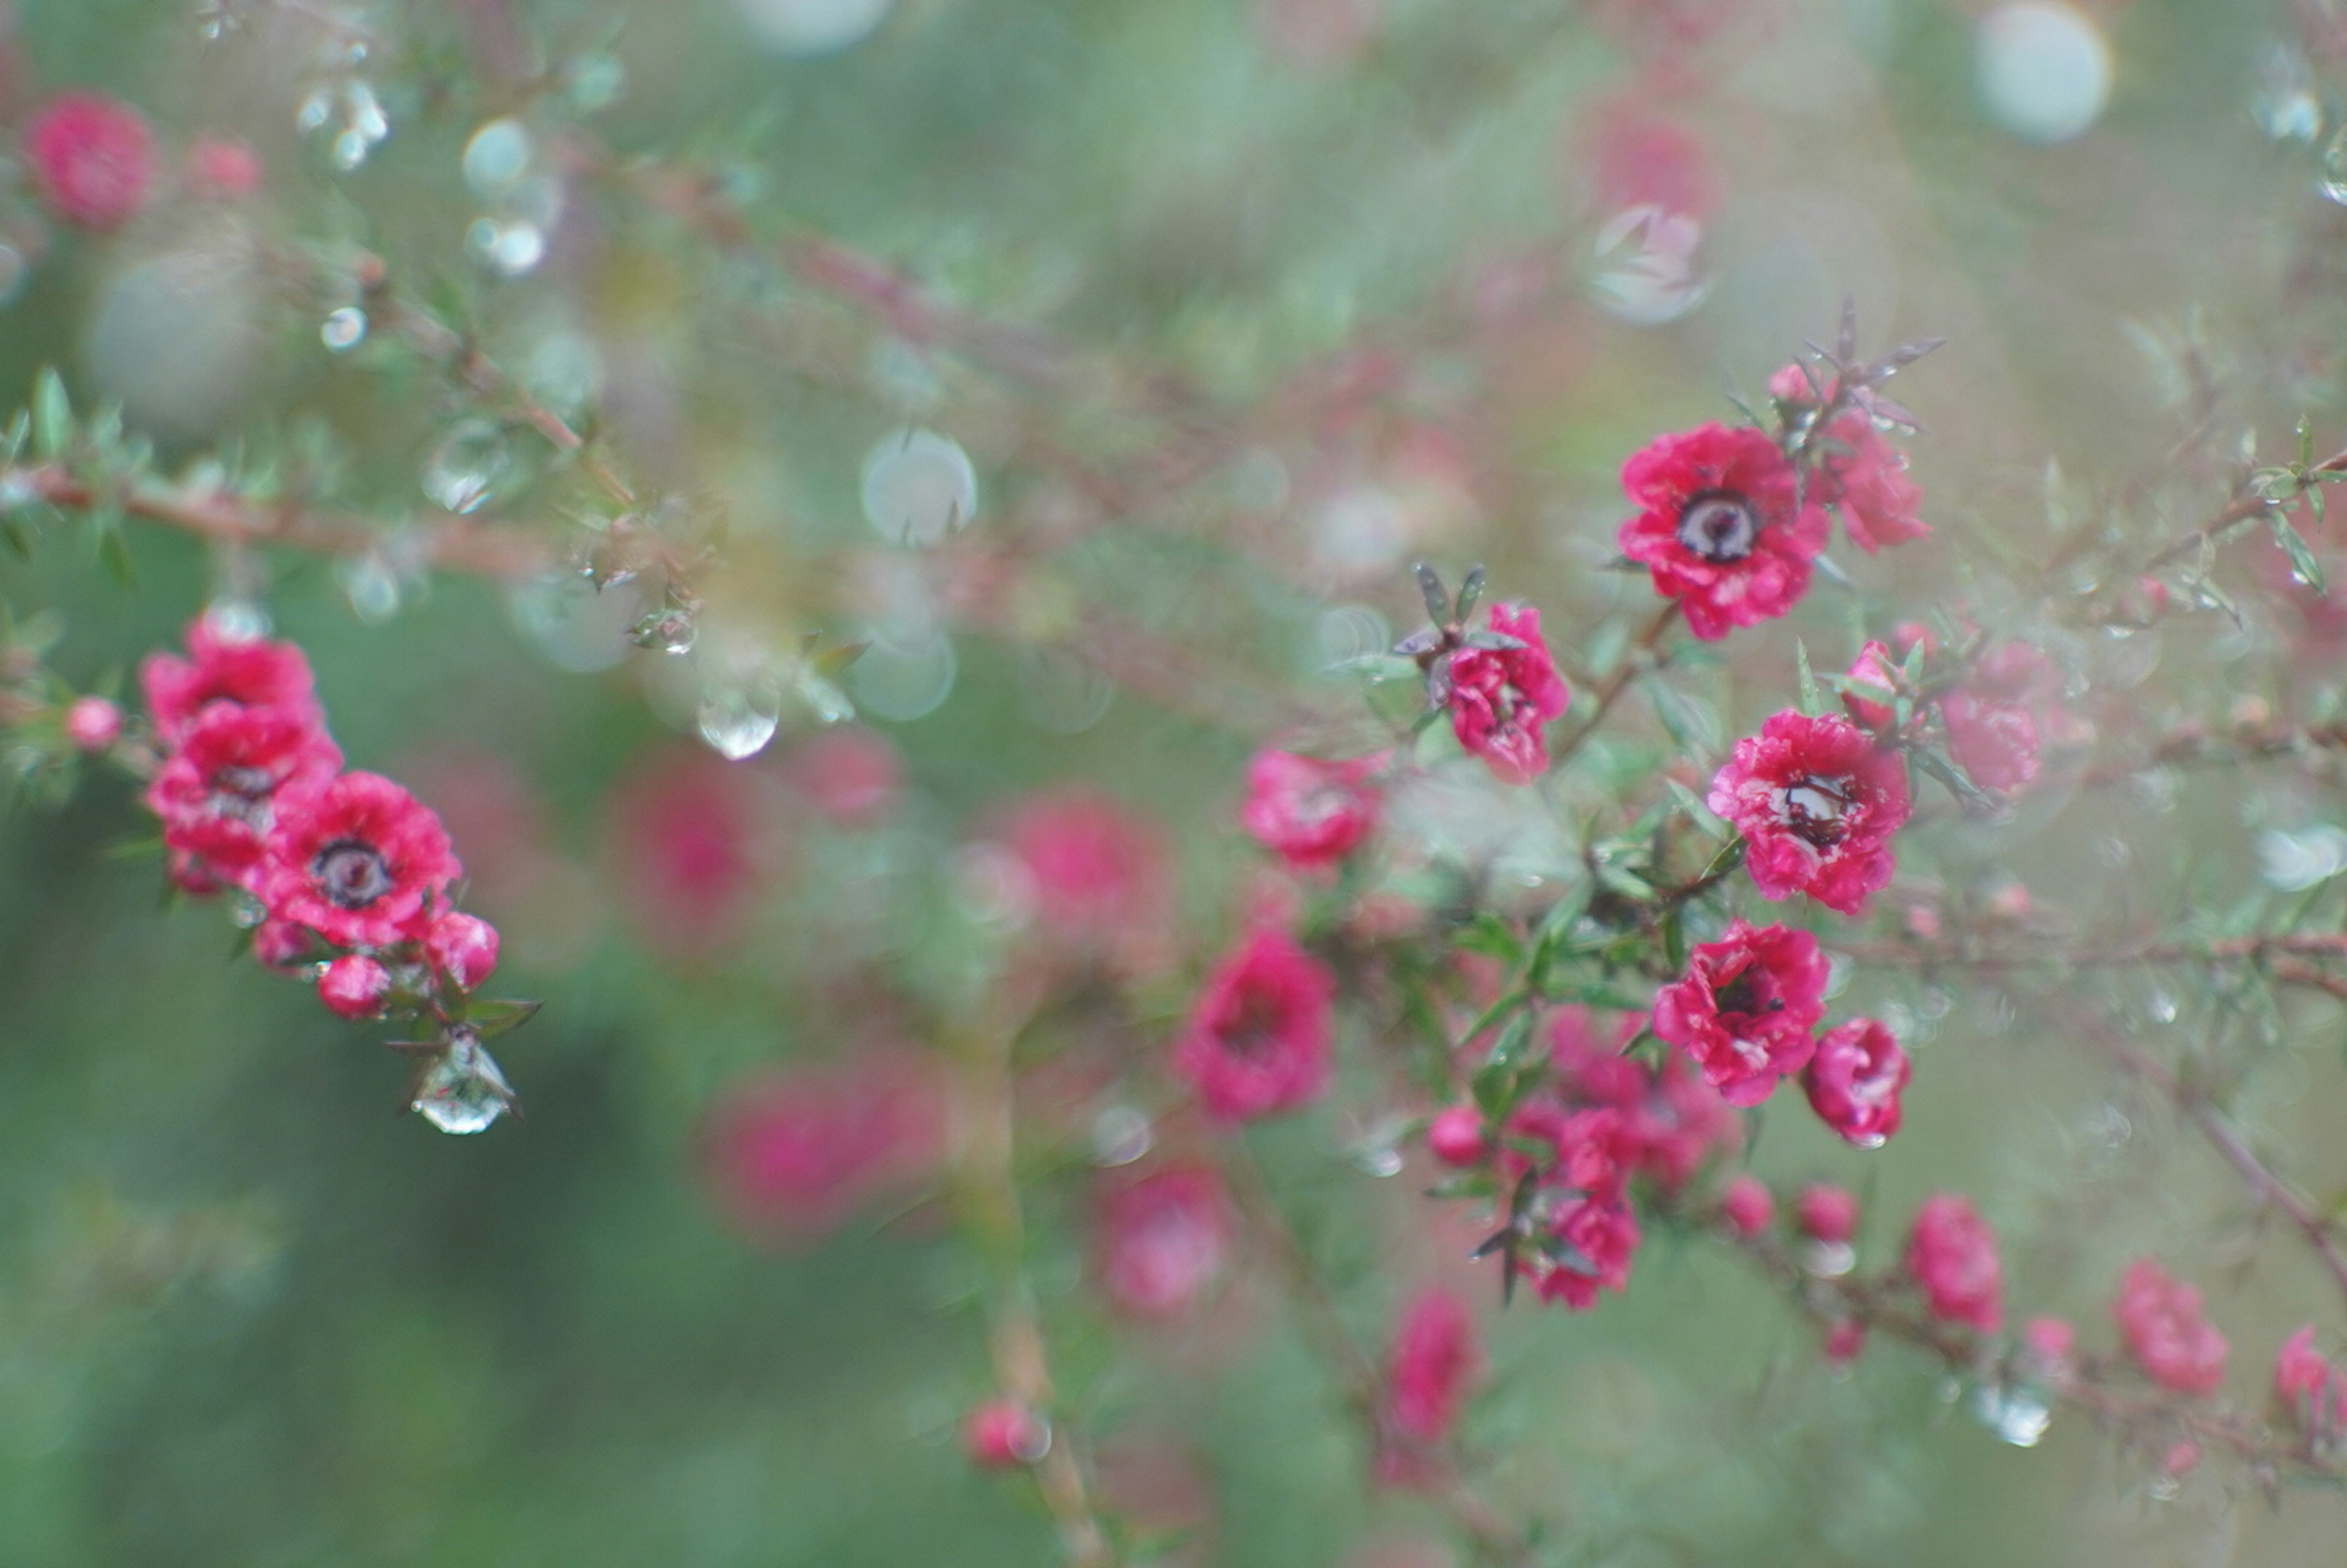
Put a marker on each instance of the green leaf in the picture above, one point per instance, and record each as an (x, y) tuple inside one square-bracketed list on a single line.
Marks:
[(52, 417), (1494, 938), (113, 553), (491, 1019), (1674, 946), (2302, 563), (1491, 1015), (1812, 701)]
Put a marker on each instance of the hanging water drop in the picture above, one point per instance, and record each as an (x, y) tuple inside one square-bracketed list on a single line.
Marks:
[(462, 1091), (2331, 175), (371, 586), (496, 158), (2019, 1415), (739, 716), (919, 486), (344, 330), (671, 631), (465, 464), (1120, 1135)]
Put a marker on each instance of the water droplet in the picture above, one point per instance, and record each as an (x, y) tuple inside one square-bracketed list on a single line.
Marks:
[(2161, 1005), (2113, 852), (2286, 106), (671, 631), (2105, 1126), (315, 110), (1379, 1160), (468, 460), (1120, 1135), (919, 486), (344, 330), (813, 26), (2019, 1415), (1348, 631), (576, 626), (496, 158), (1936, 1002), (739, 714), (2332, 177), (2044, 69), (462, 1091), (1828, 1259), (371, 586), (2295, 861), (904, 681), (1063, 690), (509, 249), (235, 619), (595, 82)]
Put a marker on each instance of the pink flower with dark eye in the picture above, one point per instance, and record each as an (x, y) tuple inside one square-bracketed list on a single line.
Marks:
[(1500, 699), (2314, 1391), (1310, 812), (1745, 1010), (1720, 531), (249, 671), (91, 157), (1258, 1040), (1431, 1365), (354, 987), (2160, 1317), (1161, 1240), (217, 793), (357, 859), (1853, 1082), (1818, 803), (1951, 1254), (1586, 1246)]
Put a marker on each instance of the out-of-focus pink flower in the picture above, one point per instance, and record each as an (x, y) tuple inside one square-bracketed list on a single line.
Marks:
[(1456, 1137), (1004, 1434), (789, 1156), (1310, 812), (2050, 1343), (1858, 473), (91, 155), (1994, 733), (1875, 667), (2159, 1315), (1845, 1340), (1745, 1012), (1585, 1248), (464, 948), (1853, 1082), (2181, 1459), (1951, 1254), (224, 167), (2314, 1391), (1747, 1205), (1430, 1368), (1501, 699), (1100, 875), (853, 775), (1826, 1214), (1637, 158), (1258, 1038), (93, 724), (691, 848), (1161, 1240), (354, 987), (1818, 802), (1718, 526)]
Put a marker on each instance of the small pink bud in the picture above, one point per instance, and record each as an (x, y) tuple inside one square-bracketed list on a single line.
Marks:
[(93, 724), (354, 987), (2154, 591), (280, 944), (464, 948), (1747, 1205), (1456, 1136), (1845, 1337), (223, 166), (2050, 1342), (1826, 1214), (1004, 1434), (2182, 1459)]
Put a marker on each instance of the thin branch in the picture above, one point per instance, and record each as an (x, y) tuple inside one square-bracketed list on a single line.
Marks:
[(1640, 656)]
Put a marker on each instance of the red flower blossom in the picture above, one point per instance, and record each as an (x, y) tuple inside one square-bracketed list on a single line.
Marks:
[(90, 155), (1455, 1136), (1161, 1239), (1818, 802), (1432, 1363), (2314, 1390), (1853, 1082), (1672, 1120), (357, 859), (1719, 530), (464, 948), (1099, 874), (252, 673), (1875, 667), (1500, 698), (1585, 1248), (354, 987), (1258, 1042), (1826, 1214), (789, 1156), (1858, 473), (1745, 1012), (215, 794), (1307, 812), (1992, 719), (1951, 1254), (693, 849), (2160, 1317), (223, 166)]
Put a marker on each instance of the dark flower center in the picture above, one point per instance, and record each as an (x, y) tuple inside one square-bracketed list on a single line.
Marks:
[(1749, 992), (351, 873), (1256, 1029), (241, 791), (1720, 525), (1814, 809)]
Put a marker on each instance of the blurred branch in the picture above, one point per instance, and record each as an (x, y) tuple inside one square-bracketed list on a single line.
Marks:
[(1642, 656)]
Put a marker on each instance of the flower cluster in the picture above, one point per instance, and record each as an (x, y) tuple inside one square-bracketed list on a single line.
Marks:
[(1994, 721), (348, 876)]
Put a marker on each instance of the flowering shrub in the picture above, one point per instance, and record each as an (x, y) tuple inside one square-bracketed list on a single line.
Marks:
[(883, 575)]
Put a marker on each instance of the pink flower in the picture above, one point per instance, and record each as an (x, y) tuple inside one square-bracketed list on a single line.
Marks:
[(1430, 1368), (1500, 698), (93, 724), (1672, 1120), (1845, 1340), (1745, 1012), (2160, 1317), (462, 946), (1997, 720), (357, 859), (1455, 1136), (1586, 1246), (281, 946), (1258, 1040), (1161, 1239), (790, 1155), (690, 840), (354, 987), (1747, 1205), (252, 673), (1099, 872), (1875, 667), (223, 166), (1719, 530), (853, 775), (1853, 1082), (1951, 1254), (2314, 1390), (1307, 812), (90, 155), (1858, 473), (1818, 803), (1004, 1434), (2050, 1342), (1826, 1214), (217, 793)]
